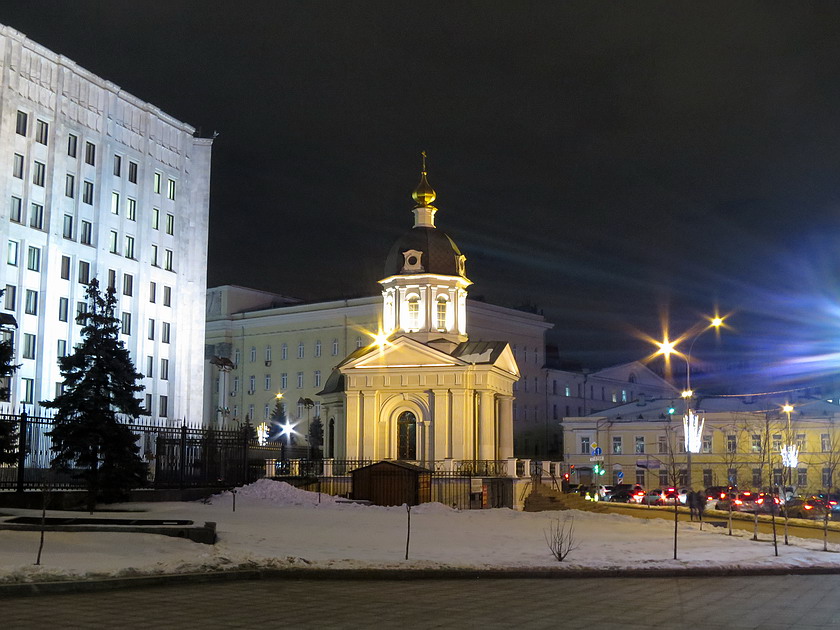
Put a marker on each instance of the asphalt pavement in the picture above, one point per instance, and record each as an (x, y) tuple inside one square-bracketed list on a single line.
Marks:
[(768, 602)]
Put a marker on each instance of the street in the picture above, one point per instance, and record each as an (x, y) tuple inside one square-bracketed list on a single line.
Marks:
[(803, 601)]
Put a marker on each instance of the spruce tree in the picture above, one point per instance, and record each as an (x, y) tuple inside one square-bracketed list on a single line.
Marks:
[(99, 382), (8, 428)]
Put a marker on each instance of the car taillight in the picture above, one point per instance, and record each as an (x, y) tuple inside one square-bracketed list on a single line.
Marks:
[(722, 495), (746, 494), (808, 507), (759, 501), (832, 502), (738, 502)]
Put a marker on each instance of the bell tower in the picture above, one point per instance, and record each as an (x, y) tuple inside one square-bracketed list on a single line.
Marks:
[(424, 292)]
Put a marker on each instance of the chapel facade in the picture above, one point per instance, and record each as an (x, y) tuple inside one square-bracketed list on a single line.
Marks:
[(422, 392)]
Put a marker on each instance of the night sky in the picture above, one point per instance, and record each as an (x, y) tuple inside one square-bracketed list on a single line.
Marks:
[(613, 164)]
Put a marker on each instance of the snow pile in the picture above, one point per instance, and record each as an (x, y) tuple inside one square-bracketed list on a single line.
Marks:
[(279, 493), (277, 526)]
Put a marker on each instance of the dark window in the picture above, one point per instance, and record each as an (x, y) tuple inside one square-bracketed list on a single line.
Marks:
[(407, 436), (90, 153), (20, 126)]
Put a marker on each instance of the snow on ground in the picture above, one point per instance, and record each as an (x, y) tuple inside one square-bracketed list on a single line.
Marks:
[(277, 526)]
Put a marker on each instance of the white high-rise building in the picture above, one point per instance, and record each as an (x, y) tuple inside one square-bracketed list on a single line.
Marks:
[(95, 182)]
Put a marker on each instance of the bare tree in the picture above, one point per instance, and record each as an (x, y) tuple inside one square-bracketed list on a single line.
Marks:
[(560, 536)]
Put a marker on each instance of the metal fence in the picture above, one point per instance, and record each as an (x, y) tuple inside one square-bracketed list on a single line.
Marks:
[(177, 457)]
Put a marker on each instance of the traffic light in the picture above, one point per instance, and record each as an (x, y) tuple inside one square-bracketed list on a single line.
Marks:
[(671, 410), (572, 468), (565, 476)]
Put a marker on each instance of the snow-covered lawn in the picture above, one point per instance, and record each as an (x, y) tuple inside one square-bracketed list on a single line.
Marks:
[(277, 526)]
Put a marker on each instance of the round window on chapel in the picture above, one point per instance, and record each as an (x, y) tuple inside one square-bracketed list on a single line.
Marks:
[(412, 260)]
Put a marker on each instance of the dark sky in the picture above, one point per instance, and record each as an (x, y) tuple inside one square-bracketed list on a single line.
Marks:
[(612, 163)]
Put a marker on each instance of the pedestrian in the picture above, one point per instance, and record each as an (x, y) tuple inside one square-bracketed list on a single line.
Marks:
[(691, 499), (701, 504)]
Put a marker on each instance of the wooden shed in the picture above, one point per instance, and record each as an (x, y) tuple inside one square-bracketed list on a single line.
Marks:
[(392, 483)]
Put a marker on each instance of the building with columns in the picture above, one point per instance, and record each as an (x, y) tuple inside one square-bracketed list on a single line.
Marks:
[(422, 391)]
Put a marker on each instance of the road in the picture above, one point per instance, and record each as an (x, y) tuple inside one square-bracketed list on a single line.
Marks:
[(796, 527), (803, 601)]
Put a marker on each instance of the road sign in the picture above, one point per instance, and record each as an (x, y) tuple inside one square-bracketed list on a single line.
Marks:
[(596, 458), (596, 450), (620, 475)]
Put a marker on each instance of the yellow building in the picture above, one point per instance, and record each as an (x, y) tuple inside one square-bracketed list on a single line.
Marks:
[(740, 441)]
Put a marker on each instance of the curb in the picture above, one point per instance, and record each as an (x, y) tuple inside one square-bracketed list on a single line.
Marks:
[(89, 586)]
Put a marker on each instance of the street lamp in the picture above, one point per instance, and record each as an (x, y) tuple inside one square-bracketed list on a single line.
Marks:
[(692, 423), (789, 451), (307, 404)]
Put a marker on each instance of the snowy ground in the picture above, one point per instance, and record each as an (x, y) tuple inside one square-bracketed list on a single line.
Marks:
[(278, 526)]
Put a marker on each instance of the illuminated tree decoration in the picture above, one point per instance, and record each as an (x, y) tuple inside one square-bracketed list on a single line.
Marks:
[(790, 455), (262, 434), (693, 431)]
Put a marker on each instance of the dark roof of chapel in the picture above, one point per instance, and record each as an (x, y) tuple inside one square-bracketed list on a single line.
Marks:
[(440, 253)]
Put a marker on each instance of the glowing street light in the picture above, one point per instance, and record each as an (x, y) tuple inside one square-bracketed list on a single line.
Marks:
[(789, 451)]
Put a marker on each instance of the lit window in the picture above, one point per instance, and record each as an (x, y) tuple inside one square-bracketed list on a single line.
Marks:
[(156, 183), (12, 254), (441, 313), (130, 209), (155, 219), (167, 259), (62, 347), (28, 390), (413, 313), (170, 189), (115, 203)]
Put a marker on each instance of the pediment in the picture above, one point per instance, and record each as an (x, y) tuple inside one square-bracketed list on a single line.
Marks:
[(401, 352), (507, 362)]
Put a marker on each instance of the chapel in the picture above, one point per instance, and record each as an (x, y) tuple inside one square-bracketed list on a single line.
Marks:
[(422, 392)]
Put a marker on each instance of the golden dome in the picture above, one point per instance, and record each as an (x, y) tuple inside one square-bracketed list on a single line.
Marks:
[(424, 194)]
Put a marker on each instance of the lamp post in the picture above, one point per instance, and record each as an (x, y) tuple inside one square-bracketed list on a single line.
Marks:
[(692, 424), (790, 450), (307, 404)]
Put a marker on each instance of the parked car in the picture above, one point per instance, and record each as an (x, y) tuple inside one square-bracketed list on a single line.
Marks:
[(812, 507), (738, 501), (670, 496)]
